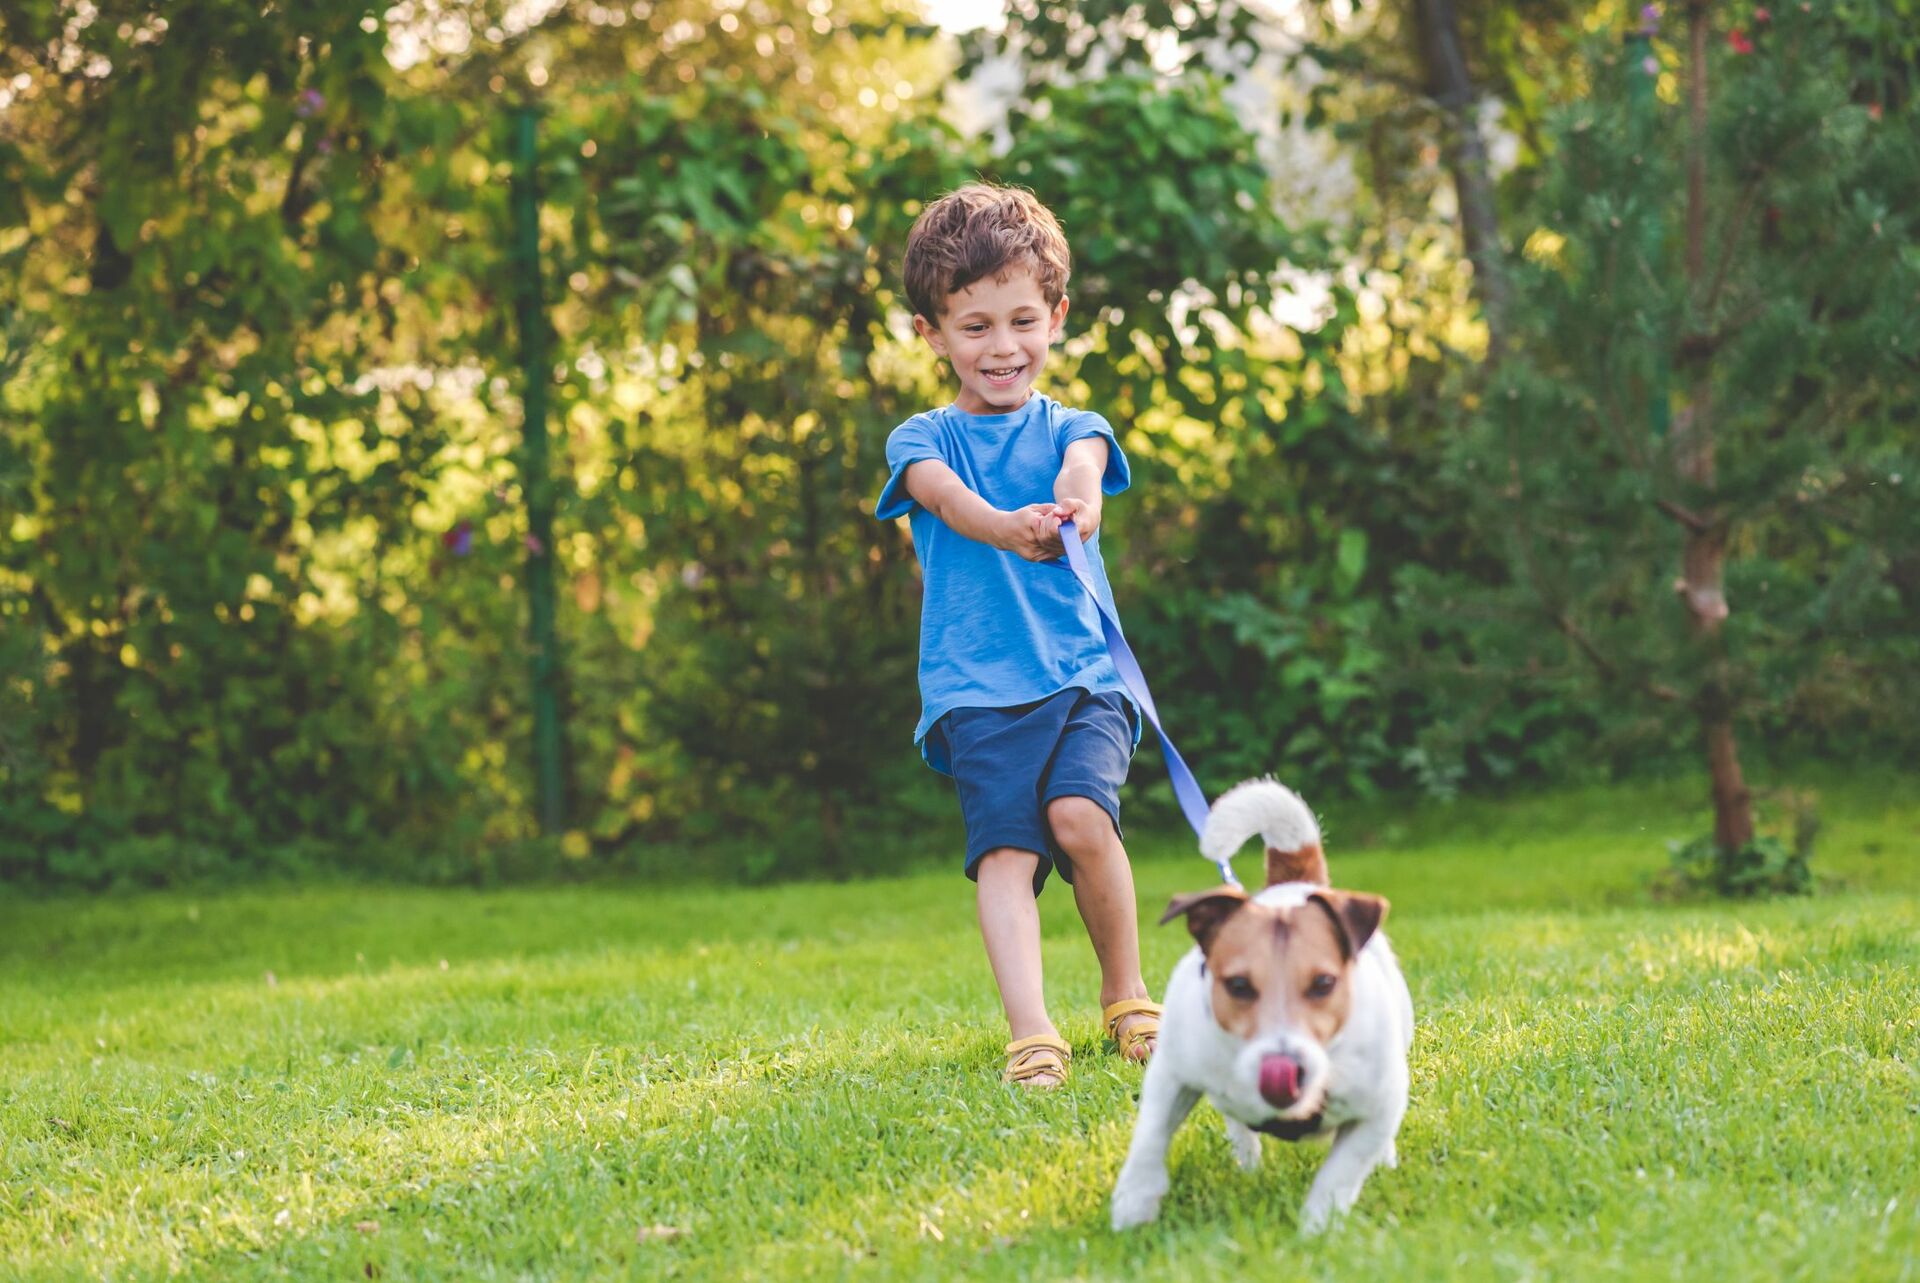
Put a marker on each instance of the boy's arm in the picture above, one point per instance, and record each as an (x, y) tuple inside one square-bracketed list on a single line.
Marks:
[(1032, 531), (1076, 491)]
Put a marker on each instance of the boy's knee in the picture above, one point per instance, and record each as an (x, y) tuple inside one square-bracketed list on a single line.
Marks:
[(1080, 825), (1009, 862)]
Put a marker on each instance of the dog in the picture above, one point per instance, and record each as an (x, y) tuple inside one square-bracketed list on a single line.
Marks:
[(1290, 1014)]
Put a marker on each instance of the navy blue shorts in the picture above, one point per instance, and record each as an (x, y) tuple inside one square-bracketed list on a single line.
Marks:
[(1008, 763)]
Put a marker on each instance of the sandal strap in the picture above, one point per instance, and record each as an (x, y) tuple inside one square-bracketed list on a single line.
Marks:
[(1040, 1054), (1131, 1007)]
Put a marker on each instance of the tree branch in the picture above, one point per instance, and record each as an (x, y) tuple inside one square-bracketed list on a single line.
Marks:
[(1338, 61), (1685, 516), (1608, 672)]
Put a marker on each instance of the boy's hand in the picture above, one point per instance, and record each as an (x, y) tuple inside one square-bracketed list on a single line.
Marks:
[(1032, 532), (1084, 516)]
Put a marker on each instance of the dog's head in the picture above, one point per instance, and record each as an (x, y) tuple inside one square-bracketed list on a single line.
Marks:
[(1282, 981)]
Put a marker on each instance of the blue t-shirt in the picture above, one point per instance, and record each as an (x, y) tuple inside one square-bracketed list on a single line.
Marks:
[(998, 630)]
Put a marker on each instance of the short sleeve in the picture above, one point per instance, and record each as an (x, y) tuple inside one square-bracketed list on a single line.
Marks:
[(907, 444), (1081, 424)]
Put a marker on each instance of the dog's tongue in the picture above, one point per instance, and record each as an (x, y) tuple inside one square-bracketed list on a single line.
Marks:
[(1280, 1080)]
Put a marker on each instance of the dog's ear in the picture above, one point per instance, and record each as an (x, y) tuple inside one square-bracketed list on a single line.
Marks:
[(1307, 864), (1356, 915), (1205, 911)]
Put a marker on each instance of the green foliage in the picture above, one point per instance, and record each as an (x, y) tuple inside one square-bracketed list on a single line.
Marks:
[(262, 527), (1565, 463), (190, 417), (1242, 573), (1765, 866), (1061, 44), (262, 553), (325, 379), (1774, 863)]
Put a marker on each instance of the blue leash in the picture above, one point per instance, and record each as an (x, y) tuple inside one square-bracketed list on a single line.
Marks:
[(1193, 802)]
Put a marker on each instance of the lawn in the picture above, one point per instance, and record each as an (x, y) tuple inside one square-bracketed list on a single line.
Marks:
[(354, 1082)]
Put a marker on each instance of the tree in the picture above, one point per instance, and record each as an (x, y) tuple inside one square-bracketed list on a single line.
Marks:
[(1760, 248), (1411, 78)]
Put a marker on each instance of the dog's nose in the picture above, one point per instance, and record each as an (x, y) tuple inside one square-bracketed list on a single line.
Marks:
[(1279, 1080)]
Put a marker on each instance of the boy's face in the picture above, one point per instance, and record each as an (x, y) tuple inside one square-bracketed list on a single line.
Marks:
[(996, 334)]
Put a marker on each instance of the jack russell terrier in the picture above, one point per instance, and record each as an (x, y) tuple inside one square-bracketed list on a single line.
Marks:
[(1291, 1015)]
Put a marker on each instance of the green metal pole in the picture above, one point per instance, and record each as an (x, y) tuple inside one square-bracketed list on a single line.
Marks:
[(530, 307)]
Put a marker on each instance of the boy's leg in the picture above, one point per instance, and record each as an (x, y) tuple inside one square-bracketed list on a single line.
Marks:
[(1103, 890), (1010, 926)]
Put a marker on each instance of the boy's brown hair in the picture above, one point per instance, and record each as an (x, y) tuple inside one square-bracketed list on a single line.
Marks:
[(983, 230)]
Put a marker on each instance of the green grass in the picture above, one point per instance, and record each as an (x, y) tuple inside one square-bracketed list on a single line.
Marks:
[(401, 1083)]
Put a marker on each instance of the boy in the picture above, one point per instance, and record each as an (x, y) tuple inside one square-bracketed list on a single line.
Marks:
[(1020, 701)]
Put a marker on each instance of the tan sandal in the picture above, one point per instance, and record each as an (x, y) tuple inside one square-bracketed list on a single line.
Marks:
[(1140, 1031), (1028, 1058)]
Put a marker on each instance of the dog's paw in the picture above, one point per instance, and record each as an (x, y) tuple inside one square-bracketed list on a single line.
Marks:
[(1135, 1204), (1246, 1145), (1316, 1215)]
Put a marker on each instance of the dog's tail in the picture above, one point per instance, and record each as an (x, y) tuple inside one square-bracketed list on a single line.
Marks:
[(1282, 820)]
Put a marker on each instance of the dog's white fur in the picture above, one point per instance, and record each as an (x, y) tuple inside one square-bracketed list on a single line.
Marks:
[(1359, 1077)]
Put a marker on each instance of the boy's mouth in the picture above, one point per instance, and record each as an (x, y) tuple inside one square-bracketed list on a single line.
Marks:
[(1007, 375)]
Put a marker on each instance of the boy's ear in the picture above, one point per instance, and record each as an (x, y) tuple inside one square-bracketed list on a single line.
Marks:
[(930, 332), (1058, 320)]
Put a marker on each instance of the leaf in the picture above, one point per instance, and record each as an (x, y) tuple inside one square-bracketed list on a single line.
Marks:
[(1351, 560), (121, 215)]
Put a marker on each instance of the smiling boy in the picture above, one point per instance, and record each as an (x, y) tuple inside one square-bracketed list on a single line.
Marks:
[(1020, 701)]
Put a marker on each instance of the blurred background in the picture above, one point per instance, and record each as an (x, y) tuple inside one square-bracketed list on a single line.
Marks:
[(439, 440)]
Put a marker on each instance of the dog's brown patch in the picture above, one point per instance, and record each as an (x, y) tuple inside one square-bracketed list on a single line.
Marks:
[(1308, 864)]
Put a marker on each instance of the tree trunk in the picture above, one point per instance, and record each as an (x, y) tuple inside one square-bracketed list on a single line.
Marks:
[(1701, 585), (1450, 86)]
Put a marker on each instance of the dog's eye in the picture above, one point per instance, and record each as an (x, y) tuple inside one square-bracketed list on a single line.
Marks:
[(1240, 987), (1322, 985)]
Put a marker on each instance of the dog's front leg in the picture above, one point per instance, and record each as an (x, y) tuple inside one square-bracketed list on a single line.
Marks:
[(1246, 1144), (1357, 1148), (1164, 1105)]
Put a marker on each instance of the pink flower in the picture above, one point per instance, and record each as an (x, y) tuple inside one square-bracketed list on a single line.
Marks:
[(534, 545), (1763, 14), (1649, 19), (1650, 65), (1738, 42), (311, 102)]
